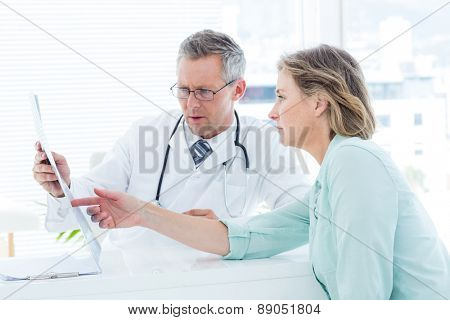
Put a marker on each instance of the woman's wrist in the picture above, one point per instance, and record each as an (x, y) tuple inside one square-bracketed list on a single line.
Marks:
[(145, 215)]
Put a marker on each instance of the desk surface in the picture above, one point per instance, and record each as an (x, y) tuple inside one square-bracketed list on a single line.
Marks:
[(181, 273)]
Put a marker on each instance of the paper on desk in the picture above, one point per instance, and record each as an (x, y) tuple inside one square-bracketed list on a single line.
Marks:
[(91, 241)]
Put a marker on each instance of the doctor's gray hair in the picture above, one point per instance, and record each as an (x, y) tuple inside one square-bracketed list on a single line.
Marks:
[(208, 42)]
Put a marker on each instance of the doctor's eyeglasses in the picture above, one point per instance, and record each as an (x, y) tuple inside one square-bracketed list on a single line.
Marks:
[(200, 94)]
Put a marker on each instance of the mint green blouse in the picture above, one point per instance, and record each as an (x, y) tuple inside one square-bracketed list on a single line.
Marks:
[(369, 236)]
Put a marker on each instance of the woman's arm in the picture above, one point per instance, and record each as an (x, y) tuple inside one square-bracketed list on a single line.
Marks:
[(260, 236), (271, 233), (203, 234), (113, 209)]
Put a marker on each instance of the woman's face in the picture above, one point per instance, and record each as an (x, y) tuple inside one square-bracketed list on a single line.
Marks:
[(293, 112)]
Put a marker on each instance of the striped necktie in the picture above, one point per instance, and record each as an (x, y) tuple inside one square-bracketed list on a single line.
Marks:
[(200, 151)]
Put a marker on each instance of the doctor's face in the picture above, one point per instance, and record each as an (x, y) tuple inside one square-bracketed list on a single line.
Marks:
[(293, 112), (207, 118)]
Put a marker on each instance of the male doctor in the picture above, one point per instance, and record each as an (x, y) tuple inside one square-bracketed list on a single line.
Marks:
[(204, 157)]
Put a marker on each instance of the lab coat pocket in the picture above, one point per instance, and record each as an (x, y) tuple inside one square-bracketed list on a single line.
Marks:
[(235, 197), (235, 187)]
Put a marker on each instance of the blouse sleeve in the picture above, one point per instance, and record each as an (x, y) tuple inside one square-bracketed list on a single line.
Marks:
[(270, 233)]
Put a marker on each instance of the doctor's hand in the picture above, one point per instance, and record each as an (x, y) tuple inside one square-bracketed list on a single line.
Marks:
[(113, 209), (205, 213), (44, 175)]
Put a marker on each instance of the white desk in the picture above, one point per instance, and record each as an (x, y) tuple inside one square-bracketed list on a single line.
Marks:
[(187, 274)]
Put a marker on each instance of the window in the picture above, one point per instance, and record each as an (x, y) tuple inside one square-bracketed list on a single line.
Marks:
[(385, 90), (266, 30), (384, 120), (405, 78), (259, 94), (417, 119)]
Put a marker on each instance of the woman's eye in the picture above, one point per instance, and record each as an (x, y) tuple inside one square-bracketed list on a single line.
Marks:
[(280, 97)]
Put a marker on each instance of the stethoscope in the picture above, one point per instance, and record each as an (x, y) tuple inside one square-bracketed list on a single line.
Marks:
[(225, 165)]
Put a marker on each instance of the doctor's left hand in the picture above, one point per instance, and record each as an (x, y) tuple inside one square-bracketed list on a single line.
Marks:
[(113, 209), (205, 213)]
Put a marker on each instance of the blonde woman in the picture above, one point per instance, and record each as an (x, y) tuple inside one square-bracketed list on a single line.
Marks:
[(369, 236)]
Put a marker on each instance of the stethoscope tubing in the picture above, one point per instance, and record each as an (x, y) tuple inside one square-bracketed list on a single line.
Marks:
[(236, 143)]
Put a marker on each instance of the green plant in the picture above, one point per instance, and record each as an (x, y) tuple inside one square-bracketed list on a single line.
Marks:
[(74, 234)]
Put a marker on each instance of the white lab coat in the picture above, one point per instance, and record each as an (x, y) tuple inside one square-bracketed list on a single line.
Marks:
[(134, 166)]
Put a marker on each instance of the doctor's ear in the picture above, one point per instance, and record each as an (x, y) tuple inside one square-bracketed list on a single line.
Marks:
[(239, 89), (322, 104)]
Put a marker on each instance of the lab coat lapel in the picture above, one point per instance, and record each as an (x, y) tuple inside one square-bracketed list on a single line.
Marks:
[(223, 151), (180, 151)]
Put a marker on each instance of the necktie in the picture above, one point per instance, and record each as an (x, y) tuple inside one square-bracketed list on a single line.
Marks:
[(200, 151)]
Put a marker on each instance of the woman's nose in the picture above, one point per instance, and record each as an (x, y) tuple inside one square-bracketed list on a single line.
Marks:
[(273, 114)]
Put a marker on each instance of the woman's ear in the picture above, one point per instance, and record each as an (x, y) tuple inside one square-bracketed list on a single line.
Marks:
[(322, 105)]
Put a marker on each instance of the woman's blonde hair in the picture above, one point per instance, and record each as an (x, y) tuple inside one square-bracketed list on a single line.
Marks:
[(335, 73)]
